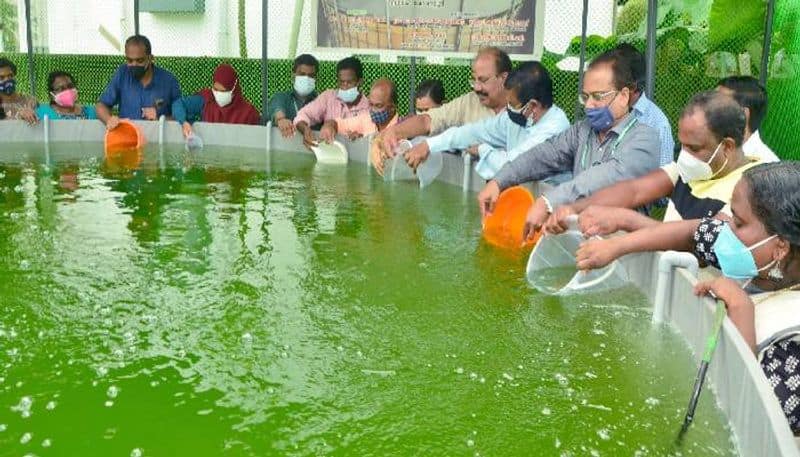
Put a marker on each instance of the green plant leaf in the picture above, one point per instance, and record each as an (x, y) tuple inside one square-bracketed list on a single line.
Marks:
[(732, 23)]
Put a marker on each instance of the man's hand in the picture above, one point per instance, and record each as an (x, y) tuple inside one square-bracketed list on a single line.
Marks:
[(149, 114), (473, 150), (285, 126), (416, 155), (327, 133), (187, 129), (112, 123), (537, 216), (597, 253), (352, 136), (375, 156), (389, 141), (308, 139), (557, 222), (29, 115), (600, 220), (488, 197)]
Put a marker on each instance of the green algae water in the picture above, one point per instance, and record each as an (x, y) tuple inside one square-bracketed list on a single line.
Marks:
[(230, 303)]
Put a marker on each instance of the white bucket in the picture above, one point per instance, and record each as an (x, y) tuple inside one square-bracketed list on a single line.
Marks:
[(427, 171), (551, 266), (333, 153)]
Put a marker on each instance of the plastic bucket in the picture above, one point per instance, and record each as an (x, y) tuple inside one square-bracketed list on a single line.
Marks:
[(125, 136), (551, 266), (333, 153), (503, 228)]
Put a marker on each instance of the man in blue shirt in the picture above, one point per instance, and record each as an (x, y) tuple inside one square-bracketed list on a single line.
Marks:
[(529, 119), (643, 108), (142, 90)]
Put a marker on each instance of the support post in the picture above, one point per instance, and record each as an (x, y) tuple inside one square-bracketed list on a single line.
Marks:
[(582, 59)]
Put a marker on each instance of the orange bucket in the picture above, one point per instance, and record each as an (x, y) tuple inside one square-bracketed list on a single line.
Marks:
[(125, 136), (503, 228)]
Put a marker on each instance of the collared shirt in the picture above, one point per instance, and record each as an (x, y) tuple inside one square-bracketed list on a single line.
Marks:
[(754, 147), (501, 139), (288, 103), (131, 96), (649, 114), (361, 124), (328, 106), (701, 198), (457, 112), (629, 150)]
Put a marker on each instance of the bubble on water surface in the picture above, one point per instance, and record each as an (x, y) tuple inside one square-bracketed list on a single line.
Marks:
[(137, 452), (26, 437), (112, 392)]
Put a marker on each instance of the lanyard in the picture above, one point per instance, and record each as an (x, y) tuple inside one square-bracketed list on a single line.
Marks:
[(614, 146)]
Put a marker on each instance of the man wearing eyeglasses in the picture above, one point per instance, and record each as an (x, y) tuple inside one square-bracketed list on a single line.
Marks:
[(529, 119), (488, 98), (608, 146)]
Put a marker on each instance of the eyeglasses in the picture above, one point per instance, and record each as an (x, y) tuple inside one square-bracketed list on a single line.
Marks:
[(583, 97), (474, 83), (63, 87)]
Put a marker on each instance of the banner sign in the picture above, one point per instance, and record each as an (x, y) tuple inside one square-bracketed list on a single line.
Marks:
[(427, 26)]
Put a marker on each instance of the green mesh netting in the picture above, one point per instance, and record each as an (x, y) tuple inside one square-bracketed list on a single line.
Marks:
[(697, 44), (782, 124)]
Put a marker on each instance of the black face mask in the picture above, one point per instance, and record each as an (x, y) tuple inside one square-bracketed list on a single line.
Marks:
[(138, 71), (518, 118)]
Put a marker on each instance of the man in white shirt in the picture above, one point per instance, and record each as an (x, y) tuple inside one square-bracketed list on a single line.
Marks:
[(752, 96)]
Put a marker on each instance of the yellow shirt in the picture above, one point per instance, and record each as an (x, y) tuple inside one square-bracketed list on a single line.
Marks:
[(695, 199)]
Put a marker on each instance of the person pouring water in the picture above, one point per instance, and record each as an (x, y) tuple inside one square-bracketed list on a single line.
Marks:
[(757, 249), (139, 88), (608, 146)]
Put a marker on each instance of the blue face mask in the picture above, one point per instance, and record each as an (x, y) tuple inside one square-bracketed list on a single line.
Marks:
[(348, 95), (379, 117), (600, 118), (8, 86), (735, 259)]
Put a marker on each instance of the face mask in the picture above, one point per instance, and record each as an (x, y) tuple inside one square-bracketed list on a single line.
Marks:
[(8, 86), (348, 95), (66, 98), (693, 169), (304, 85), (518, 118), (600, 118), (379, 117), (138, 71), (735, 259), (223, 98)]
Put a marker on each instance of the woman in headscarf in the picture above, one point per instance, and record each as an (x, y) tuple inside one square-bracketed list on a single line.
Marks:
[(222, 103)]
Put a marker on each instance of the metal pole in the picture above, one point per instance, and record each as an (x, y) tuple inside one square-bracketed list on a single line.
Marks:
[(650, 53), (264, 70), (582, 60), (135, 17), (29, 34), (767, 42), (412, 84)]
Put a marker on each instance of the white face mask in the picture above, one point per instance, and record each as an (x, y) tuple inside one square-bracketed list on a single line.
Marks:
[(693, 169), (304, 85), (223, 98), (348, 95)]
